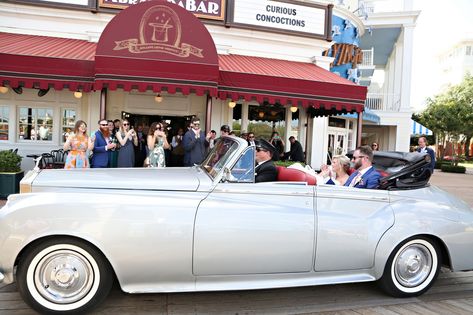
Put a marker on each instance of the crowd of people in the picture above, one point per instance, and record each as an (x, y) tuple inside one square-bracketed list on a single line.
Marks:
[(118, 144)]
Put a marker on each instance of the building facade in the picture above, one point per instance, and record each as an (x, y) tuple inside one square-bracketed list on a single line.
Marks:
[(265, 68)]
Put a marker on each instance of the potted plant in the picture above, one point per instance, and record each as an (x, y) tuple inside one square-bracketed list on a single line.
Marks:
[(10, 173)]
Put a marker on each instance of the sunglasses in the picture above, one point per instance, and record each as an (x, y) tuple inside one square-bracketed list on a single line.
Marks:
[(251, 137), (260, 149), (125, 124), (103, 124)]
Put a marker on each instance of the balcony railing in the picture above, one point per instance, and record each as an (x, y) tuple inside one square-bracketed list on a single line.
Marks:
[(367, 57), (376, 6), (388, 102)]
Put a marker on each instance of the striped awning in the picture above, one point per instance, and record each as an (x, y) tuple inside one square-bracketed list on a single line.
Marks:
[(418, 129), (287, 82)]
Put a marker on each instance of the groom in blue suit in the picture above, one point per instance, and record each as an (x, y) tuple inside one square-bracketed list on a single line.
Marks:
[(366, 176)]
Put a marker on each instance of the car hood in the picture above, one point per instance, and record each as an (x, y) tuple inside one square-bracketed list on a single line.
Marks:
[(172, 179)]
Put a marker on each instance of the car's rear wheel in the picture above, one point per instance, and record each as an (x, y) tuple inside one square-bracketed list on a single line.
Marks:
[(412, 268), (63, 276)]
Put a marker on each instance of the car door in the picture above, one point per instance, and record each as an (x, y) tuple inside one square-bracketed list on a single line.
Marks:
[(350, 223), (248, 228)]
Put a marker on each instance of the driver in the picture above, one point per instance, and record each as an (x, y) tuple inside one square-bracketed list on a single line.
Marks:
[(265, 169)]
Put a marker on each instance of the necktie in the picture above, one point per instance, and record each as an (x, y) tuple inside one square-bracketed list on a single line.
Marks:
[(355, 179)]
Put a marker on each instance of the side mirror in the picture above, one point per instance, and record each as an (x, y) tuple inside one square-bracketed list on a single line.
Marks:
[(228, 177)]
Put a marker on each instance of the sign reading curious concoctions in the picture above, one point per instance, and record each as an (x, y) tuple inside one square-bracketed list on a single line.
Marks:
[(281, 15), (207, 9)]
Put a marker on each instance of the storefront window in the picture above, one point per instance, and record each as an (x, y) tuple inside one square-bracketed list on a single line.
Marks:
[(68, 122), (35, 124), (4, 111)]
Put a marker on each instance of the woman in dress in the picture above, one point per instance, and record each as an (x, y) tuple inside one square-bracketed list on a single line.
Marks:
[(126, 136), (113, 158), (157, 143), (77, 144), (338, 175), (278, 144)]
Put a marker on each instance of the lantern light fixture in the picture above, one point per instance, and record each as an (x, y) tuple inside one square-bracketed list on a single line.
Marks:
[(293, 109), (3, 89), (232, 104), (78, 94), (158, 98)]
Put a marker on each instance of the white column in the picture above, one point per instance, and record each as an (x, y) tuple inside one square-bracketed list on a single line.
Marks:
[(318, 145), (407, 67), (288, 129), (398, 73), (301, 137), (244, 117)]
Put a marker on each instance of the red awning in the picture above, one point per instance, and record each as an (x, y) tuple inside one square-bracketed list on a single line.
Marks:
[(157, 45), (43, 62), (287, 82)]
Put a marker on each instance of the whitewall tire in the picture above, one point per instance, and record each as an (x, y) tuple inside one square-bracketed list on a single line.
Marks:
[(412, 268), (63, 276)]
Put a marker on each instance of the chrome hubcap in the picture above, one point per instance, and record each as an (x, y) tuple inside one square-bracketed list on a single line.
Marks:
[(413, 265), (63, 276)]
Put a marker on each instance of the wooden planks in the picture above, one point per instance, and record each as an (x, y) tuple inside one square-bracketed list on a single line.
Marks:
[(451, 294)]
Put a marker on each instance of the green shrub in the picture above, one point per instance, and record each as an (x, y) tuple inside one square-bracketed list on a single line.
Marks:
[(286, 163), (9, 162), (453, 169)]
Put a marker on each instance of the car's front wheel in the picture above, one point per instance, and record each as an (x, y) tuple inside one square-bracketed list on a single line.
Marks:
[(412, 268), (63, 276)]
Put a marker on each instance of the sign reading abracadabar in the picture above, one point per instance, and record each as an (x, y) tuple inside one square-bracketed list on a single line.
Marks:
[(280, 15), (75, 2)]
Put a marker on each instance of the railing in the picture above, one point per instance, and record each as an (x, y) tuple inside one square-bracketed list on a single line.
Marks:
[(367, 57), (388, 102), (376, 6)]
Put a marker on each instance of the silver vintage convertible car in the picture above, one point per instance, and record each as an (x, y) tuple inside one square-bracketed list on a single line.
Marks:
[(70, 233)]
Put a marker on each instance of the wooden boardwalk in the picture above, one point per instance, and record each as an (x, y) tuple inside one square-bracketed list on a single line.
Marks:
[(451, 294)]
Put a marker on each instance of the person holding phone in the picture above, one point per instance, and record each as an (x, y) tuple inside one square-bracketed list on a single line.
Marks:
[(127, 138), (157, 143), (278, 144)]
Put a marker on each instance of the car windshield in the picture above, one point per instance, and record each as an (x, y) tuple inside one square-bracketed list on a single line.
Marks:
[(219, 155)]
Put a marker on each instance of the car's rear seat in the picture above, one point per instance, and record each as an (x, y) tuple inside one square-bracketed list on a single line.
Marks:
[(294, 175)]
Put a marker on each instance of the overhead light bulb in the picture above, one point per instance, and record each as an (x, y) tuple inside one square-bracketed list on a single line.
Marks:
[(3, 89), (293, 109), (261, 114), (231, 104), (78, 94), (158, 98)]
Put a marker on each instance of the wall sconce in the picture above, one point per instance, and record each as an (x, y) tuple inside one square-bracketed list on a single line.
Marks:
[(293, 109), (261, 114), (231, 104), (78, 94), (18, 90), (43, 92), (158, 98), (3, 89)]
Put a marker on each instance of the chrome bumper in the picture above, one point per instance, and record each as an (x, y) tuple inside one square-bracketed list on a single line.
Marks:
[(1, 277)]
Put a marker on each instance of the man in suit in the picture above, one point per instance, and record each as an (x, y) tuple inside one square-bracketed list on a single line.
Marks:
[(265, 169), (195, 144), (424, 149), (102, 145), (296, 153), (366, 176)]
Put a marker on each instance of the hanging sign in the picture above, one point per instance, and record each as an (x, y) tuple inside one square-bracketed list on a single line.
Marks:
[(281, 15), (206, 9)]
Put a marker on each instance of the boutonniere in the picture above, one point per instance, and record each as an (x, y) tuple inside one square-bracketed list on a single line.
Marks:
[(359, 180)]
